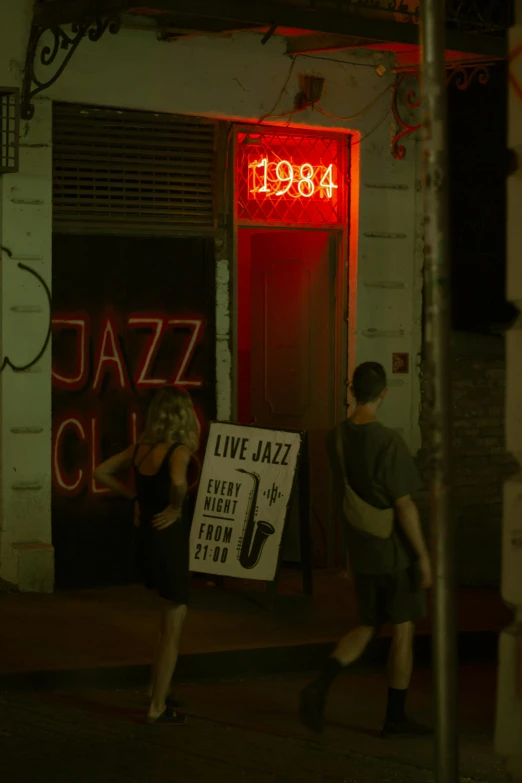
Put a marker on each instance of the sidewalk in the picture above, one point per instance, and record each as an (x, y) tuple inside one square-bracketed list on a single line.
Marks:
[(240, 730), (108, 635)]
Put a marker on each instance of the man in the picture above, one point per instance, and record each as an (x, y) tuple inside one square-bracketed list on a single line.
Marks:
[(372, 465)]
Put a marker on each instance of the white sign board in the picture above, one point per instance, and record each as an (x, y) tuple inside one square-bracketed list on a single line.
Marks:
[(243, 499)]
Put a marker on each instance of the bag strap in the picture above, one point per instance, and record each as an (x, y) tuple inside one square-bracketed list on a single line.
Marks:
[(360, 515)]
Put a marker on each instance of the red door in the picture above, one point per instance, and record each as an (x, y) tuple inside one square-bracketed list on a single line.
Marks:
[(292, 349)]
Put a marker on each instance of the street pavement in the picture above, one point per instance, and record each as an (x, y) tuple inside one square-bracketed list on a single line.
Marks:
[(239, 730)]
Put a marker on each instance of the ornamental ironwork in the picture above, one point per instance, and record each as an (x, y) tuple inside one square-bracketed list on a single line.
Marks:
[(479, 15), (410, 101), (485, 16), (405, 8), (406, 102), (52, 47)]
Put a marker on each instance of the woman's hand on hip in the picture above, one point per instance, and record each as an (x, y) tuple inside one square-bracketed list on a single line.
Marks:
[(166, 518)]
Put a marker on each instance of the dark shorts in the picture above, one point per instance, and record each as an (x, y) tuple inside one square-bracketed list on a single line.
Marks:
[(391, 598)]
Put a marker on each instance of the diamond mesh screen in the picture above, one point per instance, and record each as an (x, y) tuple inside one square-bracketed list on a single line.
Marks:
[(288, 178)]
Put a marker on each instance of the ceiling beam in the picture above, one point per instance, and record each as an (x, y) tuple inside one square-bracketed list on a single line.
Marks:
[(268, 12), (322, 42), (50, 12)]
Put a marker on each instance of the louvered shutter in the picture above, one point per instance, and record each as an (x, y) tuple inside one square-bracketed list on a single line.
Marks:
[(130, 172)]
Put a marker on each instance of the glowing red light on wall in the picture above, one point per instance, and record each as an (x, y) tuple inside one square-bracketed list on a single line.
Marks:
[(78, 378), (109, 356), (60, 480), (290, 178)]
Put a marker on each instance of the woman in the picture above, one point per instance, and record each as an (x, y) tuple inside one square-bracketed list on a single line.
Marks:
[(160, 462)]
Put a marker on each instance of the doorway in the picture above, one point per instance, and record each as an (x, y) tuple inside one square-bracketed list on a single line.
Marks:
[(287, 313)]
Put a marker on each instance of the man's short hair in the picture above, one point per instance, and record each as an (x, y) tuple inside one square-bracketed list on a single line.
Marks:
[(369, 382)]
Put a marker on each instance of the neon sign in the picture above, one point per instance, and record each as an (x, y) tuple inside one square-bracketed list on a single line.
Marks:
[(109, 359), (285, 178), (84, 430), (78, 440)]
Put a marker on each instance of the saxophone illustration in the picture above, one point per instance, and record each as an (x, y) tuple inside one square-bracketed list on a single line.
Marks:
[(254, 536)]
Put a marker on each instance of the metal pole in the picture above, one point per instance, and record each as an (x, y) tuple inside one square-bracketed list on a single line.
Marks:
[(438, 349)]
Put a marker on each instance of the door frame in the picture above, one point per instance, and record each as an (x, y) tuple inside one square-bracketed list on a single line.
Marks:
[(344, 295)]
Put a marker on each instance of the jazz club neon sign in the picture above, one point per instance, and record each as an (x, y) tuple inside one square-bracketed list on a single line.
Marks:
[(109, 363), (277, 178), (86, 431), (109, 359)]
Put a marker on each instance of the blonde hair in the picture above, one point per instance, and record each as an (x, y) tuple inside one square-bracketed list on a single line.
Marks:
[(171, 418)]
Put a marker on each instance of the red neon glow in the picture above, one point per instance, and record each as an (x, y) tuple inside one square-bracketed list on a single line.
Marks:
[(109, 357), (178, 378), (157, 325), (78, 377), (59, 479), (95, 460), (284, 178), (134, 428), (89, 433)]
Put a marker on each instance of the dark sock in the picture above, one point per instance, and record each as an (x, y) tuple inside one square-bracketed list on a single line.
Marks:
[(330, 671), (396, 703)]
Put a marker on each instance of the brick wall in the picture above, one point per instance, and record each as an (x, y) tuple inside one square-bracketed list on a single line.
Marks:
[(481, 462)]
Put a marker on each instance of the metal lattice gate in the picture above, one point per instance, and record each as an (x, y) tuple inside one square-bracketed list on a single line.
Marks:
[(9, 130)]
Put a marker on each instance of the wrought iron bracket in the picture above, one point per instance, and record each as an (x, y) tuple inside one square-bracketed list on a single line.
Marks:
[(459, 75), (412, 101), (46, 43)]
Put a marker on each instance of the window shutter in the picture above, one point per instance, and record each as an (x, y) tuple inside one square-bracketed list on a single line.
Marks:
[(130, 172)]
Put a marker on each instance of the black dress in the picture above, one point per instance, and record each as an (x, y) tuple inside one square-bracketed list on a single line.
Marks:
[(163, 554)]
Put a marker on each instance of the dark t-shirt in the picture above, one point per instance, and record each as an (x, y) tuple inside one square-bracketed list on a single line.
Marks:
[(380, 470)]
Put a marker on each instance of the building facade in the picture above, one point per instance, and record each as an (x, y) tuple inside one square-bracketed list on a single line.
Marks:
[(508, 738), (217, 204)]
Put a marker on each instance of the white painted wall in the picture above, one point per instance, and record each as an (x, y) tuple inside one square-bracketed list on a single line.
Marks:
[(26, 554), (238, 78)]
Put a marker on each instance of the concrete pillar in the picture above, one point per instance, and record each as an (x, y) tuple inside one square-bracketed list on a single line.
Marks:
[(26, 552), (508, 737)]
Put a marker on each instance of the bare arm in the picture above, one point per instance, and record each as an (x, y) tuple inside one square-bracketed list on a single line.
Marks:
[(408, 517), (179, 463), (106, 472)]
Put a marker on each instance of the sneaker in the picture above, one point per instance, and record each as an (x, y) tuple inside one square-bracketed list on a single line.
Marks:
[(405, 728), (311, 708)]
